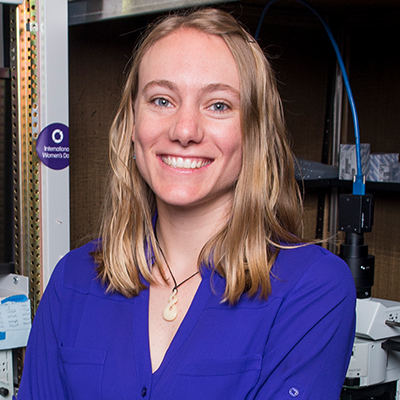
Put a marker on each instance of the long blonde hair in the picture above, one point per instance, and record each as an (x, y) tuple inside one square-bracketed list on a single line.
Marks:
[(267, 207)]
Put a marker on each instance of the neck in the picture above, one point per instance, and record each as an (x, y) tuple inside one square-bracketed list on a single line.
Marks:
[(182, 234)]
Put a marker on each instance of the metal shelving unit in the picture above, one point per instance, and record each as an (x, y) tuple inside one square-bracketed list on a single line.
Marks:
[(38, 72)]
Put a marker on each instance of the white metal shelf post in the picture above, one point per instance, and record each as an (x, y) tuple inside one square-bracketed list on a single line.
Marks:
[(53, 109), (40, 139)]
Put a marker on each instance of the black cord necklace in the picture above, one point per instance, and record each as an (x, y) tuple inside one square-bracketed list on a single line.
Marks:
[(170, 311)]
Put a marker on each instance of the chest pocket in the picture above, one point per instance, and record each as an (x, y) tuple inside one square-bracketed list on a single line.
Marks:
[(83, 371), (217, 379)]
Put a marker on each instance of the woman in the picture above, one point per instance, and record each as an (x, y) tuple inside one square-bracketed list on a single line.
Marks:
[(200, 287)]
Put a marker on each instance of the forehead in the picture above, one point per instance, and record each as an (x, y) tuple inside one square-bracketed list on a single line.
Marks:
[(192, 55)]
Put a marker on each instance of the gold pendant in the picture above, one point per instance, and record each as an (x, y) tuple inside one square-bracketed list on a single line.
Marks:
[(171, 311)]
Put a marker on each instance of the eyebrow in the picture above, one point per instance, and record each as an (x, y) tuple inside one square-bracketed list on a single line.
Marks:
[(161, 83), (212, 87)]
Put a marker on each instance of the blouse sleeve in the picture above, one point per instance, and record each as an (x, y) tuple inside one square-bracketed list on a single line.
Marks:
[(310, 344), (41, 377)]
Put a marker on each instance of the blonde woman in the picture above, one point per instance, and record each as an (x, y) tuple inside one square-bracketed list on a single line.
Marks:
[(200, 287)]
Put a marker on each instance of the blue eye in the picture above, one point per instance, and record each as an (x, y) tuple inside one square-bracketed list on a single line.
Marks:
[(219, 107), (161, 102)]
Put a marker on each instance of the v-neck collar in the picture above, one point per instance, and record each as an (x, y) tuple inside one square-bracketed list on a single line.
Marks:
[(141, 326), (141, 331)]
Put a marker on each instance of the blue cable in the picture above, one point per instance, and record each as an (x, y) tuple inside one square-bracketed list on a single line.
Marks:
[(359, 182)]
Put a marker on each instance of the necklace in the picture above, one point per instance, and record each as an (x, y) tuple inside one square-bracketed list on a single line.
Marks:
[(171, 311)]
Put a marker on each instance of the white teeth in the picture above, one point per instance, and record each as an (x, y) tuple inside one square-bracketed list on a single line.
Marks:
[(187, 163)]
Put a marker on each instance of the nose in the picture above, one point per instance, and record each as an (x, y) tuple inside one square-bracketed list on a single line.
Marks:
[(187, 128)]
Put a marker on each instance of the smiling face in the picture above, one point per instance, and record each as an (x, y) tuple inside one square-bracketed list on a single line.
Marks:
[(187, 132)]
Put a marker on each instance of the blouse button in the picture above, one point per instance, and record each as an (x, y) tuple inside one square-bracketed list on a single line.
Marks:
[(144, 391), (294, 392)]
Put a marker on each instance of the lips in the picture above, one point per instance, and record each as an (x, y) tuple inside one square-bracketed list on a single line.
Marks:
[(184, 163)]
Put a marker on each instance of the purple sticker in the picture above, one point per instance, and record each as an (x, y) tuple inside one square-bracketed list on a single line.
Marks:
[(52, 146)]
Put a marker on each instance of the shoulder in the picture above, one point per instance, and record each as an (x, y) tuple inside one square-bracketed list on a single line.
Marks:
[(311, 266), (77, 269), (77, 273)]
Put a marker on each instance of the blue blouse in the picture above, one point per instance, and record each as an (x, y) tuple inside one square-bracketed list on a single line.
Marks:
[(87, 344)]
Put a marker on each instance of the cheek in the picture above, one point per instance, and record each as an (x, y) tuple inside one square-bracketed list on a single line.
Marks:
[(237, 153), (137, 139), (140, 153), (233, 155), (233, 145), (140, 138), (142, 167), (146, 132)]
